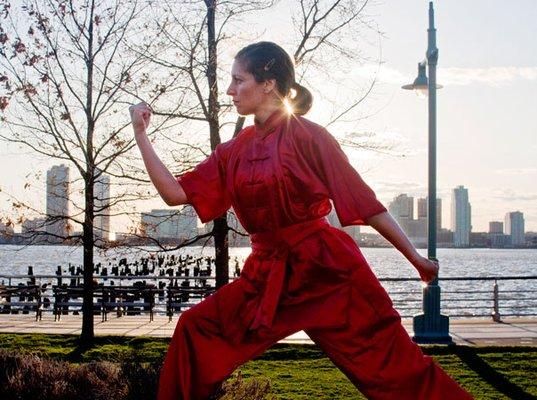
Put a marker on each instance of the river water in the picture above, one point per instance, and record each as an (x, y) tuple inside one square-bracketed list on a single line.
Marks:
[(385, 262)]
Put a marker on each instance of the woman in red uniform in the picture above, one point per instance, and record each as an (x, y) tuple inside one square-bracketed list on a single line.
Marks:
[(303, 274)]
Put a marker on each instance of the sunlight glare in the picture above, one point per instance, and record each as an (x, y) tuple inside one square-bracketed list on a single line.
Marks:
[(288, 106)]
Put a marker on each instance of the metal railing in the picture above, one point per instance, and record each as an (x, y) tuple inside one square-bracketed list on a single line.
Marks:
[(495, 297)]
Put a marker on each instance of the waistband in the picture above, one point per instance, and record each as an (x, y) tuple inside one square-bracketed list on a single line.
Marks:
[(287, 236), (278, 243)]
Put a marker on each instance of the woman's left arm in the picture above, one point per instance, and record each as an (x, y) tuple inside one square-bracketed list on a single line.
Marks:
[(390, 229)]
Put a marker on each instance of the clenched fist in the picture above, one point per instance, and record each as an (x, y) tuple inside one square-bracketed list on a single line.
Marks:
[(428, 269), (140, 116)]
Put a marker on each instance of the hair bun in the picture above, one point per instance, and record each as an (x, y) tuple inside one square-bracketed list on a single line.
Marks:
[(302, 100)]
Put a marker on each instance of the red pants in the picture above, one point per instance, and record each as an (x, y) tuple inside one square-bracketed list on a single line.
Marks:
[(372, 348)]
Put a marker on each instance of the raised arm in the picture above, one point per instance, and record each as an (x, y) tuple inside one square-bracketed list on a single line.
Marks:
[(167, 186), (390, 229)]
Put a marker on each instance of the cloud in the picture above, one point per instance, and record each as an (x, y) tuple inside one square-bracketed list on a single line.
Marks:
[(389, 190), (516, 171), (383, 74), (494, 76), (511, 195), (451, 76)]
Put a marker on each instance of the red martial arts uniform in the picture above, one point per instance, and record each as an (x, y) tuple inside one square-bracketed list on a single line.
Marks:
[(302, 274)]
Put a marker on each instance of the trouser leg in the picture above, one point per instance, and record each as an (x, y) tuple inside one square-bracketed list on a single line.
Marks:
[(200, 357), (375, 352)]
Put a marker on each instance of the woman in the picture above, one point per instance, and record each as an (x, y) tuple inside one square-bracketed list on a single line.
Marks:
[(279, 175)]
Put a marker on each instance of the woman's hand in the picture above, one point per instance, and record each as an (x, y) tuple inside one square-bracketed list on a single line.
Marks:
[(428, 269), (140, 117)]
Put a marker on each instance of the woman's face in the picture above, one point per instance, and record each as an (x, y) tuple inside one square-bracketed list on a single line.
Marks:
[(248, 95)]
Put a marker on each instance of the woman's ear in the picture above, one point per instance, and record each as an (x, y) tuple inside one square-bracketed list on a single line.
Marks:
[(269, 85)]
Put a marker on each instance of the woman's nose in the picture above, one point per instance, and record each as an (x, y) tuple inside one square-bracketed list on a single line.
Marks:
[(230, 91)]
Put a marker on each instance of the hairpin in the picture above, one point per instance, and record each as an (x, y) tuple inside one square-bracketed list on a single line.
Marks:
[(269, 64)]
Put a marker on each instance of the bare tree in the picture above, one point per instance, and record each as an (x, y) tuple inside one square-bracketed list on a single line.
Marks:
[(193, 33), (64, 70)]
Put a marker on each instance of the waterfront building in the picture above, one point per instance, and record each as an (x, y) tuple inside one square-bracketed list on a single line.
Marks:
[(57, 202), (30, 226), (496, 227), (333, 218), (444, 238), (236, 239), (402, 210), (423, 212), (402, 207), (461, 217), (497, 239), (170, 224), (353, 230), (514, 227), (101, 219), (479, 239)]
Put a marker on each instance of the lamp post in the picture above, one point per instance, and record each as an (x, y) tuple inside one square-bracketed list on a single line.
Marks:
[(430, 326)]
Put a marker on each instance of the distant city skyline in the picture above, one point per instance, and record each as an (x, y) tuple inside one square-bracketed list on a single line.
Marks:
[(171, 224), (402, 207), (486, 128)]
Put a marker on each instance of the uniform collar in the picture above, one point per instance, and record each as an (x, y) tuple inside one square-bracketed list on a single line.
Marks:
[(271, 123)]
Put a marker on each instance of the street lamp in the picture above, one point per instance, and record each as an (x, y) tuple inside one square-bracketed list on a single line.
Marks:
[(431, 326)]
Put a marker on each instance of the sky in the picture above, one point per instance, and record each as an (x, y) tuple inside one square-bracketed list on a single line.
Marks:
[(486, 123), (486, 129)]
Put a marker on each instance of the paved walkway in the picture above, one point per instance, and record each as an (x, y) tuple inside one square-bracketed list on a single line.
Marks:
[(481, 332)]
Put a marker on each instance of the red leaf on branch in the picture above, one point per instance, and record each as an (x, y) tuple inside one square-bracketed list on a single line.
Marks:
[(29, 89), (4, 102), (19, 47)]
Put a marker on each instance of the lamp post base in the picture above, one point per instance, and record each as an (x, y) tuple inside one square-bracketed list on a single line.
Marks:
[(431, 329)]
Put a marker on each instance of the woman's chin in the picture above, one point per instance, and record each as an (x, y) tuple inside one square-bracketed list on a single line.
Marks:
[(243, 113)]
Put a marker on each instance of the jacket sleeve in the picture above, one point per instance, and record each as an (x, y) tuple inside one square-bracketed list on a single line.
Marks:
[(205, 187), (353, 199)]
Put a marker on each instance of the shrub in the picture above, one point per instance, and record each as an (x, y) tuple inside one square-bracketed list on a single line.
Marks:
[(30, 377), (238, 389)]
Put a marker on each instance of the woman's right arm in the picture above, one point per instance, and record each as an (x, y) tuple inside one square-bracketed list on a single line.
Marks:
[(167, 186)]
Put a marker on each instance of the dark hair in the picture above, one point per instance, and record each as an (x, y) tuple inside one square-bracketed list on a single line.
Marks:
[(267, 60)]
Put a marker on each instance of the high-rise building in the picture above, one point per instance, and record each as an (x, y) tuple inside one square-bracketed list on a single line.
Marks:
[(423, 212), (236, 239), (170, 224), (402, 207), (101, 219), (333, 218), (31, 226), (352, 230), (495, 227), (461, 217), (58, 201), (402, 210), (514, 227)]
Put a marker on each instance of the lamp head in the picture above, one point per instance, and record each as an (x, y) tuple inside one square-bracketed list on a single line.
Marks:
[(421, 83)]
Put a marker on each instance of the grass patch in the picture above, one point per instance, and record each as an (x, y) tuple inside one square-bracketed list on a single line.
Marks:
[(297, 372)]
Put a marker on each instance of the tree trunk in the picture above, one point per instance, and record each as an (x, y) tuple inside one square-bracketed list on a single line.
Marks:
[(87, 335), (220, 228)]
